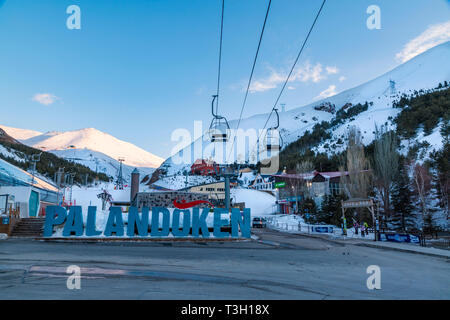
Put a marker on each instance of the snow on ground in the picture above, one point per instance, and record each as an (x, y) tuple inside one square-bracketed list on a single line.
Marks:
[(296, 224), (261, 203), (180, 181), (246, 178), (9, 154), (100, 162)]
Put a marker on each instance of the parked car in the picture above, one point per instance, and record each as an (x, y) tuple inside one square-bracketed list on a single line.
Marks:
[(258, 222)]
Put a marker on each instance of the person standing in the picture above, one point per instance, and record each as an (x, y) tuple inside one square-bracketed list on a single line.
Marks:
[(363, 229), (366, 227)]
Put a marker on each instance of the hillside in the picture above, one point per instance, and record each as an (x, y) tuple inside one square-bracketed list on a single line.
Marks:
[(95, 140), (365, 106), (20, 134), (19, 154)]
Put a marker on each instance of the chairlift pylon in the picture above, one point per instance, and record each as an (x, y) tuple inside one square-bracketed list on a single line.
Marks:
[(219, 128)]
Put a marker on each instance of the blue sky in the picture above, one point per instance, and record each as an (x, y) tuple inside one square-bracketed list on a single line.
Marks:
[(143, 68)]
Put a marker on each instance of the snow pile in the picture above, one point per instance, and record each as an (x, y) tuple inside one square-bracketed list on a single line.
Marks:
[(261, 203), (296, 224)]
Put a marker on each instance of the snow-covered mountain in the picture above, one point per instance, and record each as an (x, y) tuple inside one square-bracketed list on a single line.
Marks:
[(20, 134), (100, 162), (424, 72), (95, 149), (95, 140)]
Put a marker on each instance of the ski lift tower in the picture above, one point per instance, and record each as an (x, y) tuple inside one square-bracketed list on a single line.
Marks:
[(35, 158), (392, 87), (228, 173), (58, 179), (119, 181)]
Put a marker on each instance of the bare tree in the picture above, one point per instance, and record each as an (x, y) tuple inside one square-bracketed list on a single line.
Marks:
[(386, 160), (357, 182), (422, 182), (303, 169)]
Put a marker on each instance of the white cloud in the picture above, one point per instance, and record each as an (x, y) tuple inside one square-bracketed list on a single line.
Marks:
[(45, 98), (433, 36), (332, 70), (342, 79), (306, 73), (331, 91), (291, 88)]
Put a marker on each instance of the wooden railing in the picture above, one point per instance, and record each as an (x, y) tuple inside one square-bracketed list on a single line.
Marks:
[(14, 218)]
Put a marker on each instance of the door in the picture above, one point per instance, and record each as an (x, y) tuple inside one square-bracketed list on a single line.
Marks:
[(33, 204)]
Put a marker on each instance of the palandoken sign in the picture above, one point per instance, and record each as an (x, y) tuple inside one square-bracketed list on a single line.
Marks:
[(193, 222)]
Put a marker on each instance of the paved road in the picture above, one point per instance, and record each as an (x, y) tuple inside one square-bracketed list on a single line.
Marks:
[(278, 266)]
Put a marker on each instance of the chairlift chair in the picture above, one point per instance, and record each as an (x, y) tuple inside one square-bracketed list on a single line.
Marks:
[(219, 128), (274, 142)]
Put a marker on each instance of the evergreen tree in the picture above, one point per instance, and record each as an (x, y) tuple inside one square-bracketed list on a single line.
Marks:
[(402, 217), (331, 212)]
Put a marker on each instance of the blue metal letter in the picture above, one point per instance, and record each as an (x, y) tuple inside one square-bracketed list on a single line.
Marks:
[(91, 221), (176, 223), (219, 222), (74, 222), (200, 222), (54, 215), (134, 220), (242, 220), (155, 222), (115, 222)]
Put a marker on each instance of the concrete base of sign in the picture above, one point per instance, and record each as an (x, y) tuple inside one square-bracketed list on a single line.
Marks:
[(137, 239)]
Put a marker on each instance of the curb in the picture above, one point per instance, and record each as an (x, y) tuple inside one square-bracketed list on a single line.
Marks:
[(400, 249), (160, 240)]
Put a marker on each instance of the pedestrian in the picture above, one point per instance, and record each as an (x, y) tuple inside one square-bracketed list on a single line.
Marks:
[(363, 229), (356, 226), (366, 227)]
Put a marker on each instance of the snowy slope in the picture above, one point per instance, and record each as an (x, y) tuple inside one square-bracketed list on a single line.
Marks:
[(95, 140), (20, 134), (425, 71), (261, 203), (99, 162)]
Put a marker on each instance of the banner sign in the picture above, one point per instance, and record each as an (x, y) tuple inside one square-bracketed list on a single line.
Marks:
[(399, 237), (322, 229), (357, 203), (280, 185), (179, 224), (5, 220)]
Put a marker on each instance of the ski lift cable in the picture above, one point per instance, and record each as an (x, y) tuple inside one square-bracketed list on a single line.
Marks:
[(220, 57), (251, 74), (293, 67)]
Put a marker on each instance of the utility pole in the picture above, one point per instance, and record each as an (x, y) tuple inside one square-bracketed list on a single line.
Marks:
[(35, 158)]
